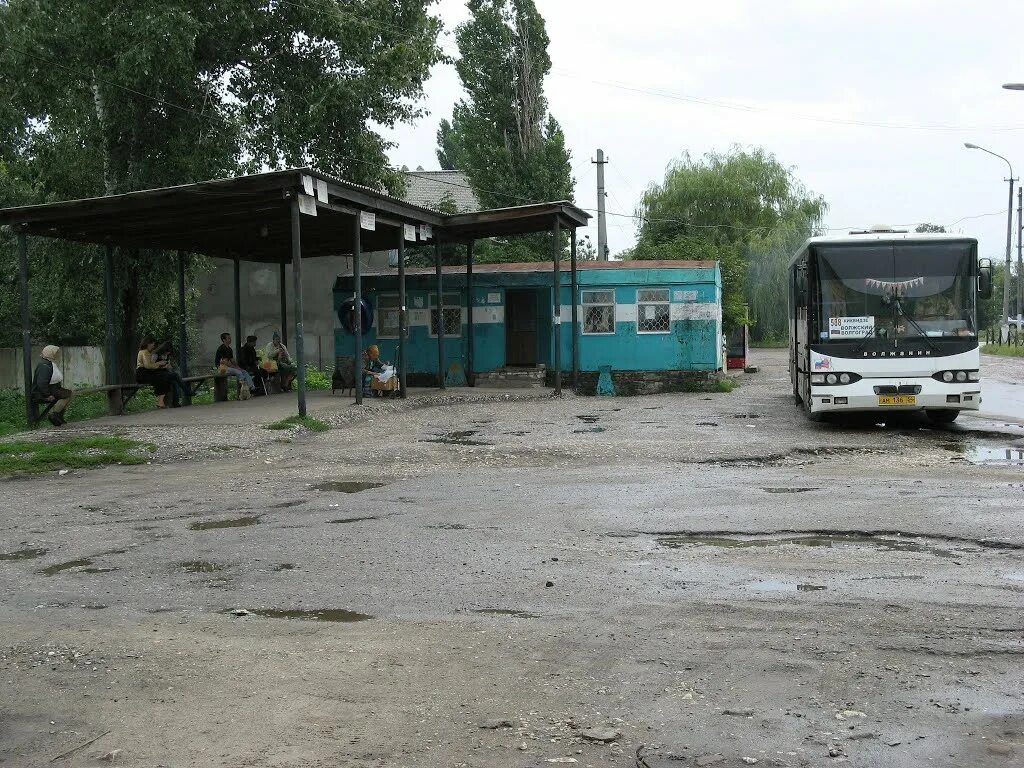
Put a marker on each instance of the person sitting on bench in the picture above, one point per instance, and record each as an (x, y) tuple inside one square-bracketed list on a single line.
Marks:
[(224, 361), (278, 352), (149, 370), (46, 385), (162, 354), (249, 361)]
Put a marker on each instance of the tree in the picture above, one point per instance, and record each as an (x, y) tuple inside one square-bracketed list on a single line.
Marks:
[(926, 227), (718, 208), (501, 135), (103, 97)]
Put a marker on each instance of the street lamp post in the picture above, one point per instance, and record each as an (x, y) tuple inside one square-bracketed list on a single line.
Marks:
[(1020, 234), (1004, 328)]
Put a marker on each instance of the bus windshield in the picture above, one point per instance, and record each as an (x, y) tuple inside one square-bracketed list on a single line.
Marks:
[(899, 291)]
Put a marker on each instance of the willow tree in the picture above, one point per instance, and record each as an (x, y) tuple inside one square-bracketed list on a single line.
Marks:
[(723, 207), (103, 97)]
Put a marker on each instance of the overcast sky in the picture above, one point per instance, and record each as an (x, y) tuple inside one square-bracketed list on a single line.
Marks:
[(929, 65)]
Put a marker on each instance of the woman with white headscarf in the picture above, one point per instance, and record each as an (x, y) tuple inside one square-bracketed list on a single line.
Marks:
[(47, 385)]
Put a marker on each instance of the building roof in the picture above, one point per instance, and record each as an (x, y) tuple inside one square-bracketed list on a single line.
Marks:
[(548, 266), (429, 188), (250, 218)]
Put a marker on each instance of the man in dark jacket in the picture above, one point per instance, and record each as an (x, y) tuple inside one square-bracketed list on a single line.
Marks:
[(249, 361), (46, 385)]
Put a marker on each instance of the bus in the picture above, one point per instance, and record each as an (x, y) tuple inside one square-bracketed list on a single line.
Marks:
[(884, 321)]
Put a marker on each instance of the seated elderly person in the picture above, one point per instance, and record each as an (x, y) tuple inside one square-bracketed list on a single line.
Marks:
[(376, 376), (47, 384)]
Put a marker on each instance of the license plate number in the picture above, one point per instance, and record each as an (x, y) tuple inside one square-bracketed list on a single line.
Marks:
[(897, 400)]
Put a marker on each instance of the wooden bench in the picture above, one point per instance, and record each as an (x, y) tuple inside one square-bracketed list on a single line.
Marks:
[(118, 396)]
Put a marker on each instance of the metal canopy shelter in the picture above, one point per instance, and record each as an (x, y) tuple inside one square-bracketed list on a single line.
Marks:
[(277, 217)]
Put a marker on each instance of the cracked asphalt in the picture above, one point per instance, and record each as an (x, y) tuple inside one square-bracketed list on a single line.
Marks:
[(677, 580)]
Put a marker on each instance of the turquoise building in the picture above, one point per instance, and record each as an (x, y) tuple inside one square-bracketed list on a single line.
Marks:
[(633, 316)]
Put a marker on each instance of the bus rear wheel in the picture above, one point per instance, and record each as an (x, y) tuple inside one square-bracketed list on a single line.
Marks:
[(942, 416)]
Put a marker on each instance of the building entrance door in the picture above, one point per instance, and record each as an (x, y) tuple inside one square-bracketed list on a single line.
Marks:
[(521, 328)]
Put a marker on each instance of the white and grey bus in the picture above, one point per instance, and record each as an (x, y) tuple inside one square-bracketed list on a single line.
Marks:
[(886, 321)]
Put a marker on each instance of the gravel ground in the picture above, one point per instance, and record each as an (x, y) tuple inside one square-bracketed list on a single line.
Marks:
[(661, 581)]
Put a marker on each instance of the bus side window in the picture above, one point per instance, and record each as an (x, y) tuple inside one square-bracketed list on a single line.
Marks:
[(801, 285)]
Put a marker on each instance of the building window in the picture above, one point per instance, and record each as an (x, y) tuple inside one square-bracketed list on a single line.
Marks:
[(387, 316), (598, 312), (451, 311), (652, 310)]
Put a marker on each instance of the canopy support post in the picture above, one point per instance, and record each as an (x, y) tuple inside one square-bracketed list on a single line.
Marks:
[(357, 308), (403, 330), (26, 330), (440, 315), (182, 320), (300, 356), (237, 282), (574, 288), (114, 399), (556, 240), (283, 284), (469, 314)]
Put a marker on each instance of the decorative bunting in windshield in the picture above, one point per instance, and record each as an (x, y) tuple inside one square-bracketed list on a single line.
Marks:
[(899, 286)]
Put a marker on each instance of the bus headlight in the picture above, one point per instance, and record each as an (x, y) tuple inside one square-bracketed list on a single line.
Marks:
[(817, 378), (947, 376), (973, 376), (961, 375), (844, 378), (831, 379)]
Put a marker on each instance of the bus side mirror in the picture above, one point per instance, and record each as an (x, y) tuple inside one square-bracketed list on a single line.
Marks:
[(985, 278)]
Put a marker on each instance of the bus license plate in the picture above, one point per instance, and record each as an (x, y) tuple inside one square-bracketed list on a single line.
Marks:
[(897, 400)]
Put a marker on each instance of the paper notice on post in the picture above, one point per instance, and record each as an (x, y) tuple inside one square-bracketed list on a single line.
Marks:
[(850, 327), (410, 233)]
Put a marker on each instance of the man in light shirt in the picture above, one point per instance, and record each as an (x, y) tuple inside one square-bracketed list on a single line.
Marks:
[(278, 352)]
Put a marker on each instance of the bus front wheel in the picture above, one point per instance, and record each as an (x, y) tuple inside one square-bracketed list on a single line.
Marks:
[(942, 416)]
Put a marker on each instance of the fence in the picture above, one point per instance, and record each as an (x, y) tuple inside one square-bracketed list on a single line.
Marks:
[(81, 366), (1015, 336)]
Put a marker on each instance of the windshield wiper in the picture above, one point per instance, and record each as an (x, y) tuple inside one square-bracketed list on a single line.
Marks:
[(899, 309), (867, 337)]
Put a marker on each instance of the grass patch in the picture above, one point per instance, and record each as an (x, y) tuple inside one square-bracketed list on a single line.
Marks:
[(770, 344), (313, 425), (32, 456), (1006, 350)]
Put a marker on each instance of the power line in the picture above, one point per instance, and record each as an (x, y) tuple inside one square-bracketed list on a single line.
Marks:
[(795, 115)]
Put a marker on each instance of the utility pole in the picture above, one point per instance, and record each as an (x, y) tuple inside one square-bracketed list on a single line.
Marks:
[(1020, 258), (1009, 250), (602, 224)]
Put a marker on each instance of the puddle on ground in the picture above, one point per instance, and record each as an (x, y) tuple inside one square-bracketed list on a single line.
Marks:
[(884, 544), (324, 614), (788, 490), (200, 566), (517, 433), (449, 527), (458, 437), (23, 554), (346, 486), (237, 522), (53, 570), (588, 418), (353, 519), (770, 585), (746, 416), (98, 570), (706, 424), (992, 457), (285, 567), (94, 607), (588, 429), (506, 612)]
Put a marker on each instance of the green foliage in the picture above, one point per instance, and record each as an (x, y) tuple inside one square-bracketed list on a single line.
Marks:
[(501, 135), (103, 97), (725, 207), (310, 423), (768, 255), (926, 227), (30, 456), (1006, 350), (317, 379)]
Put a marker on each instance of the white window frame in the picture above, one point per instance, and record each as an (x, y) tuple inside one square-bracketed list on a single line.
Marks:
[(667, 303), (432, 305), (380, 315), (585, 304)]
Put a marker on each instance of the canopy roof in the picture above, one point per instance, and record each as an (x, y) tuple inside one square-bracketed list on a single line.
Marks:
[(249, 217)]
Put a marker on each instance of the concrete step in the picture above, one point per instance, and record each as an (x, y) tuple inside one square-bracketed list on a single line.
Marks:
[(492, 383)]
